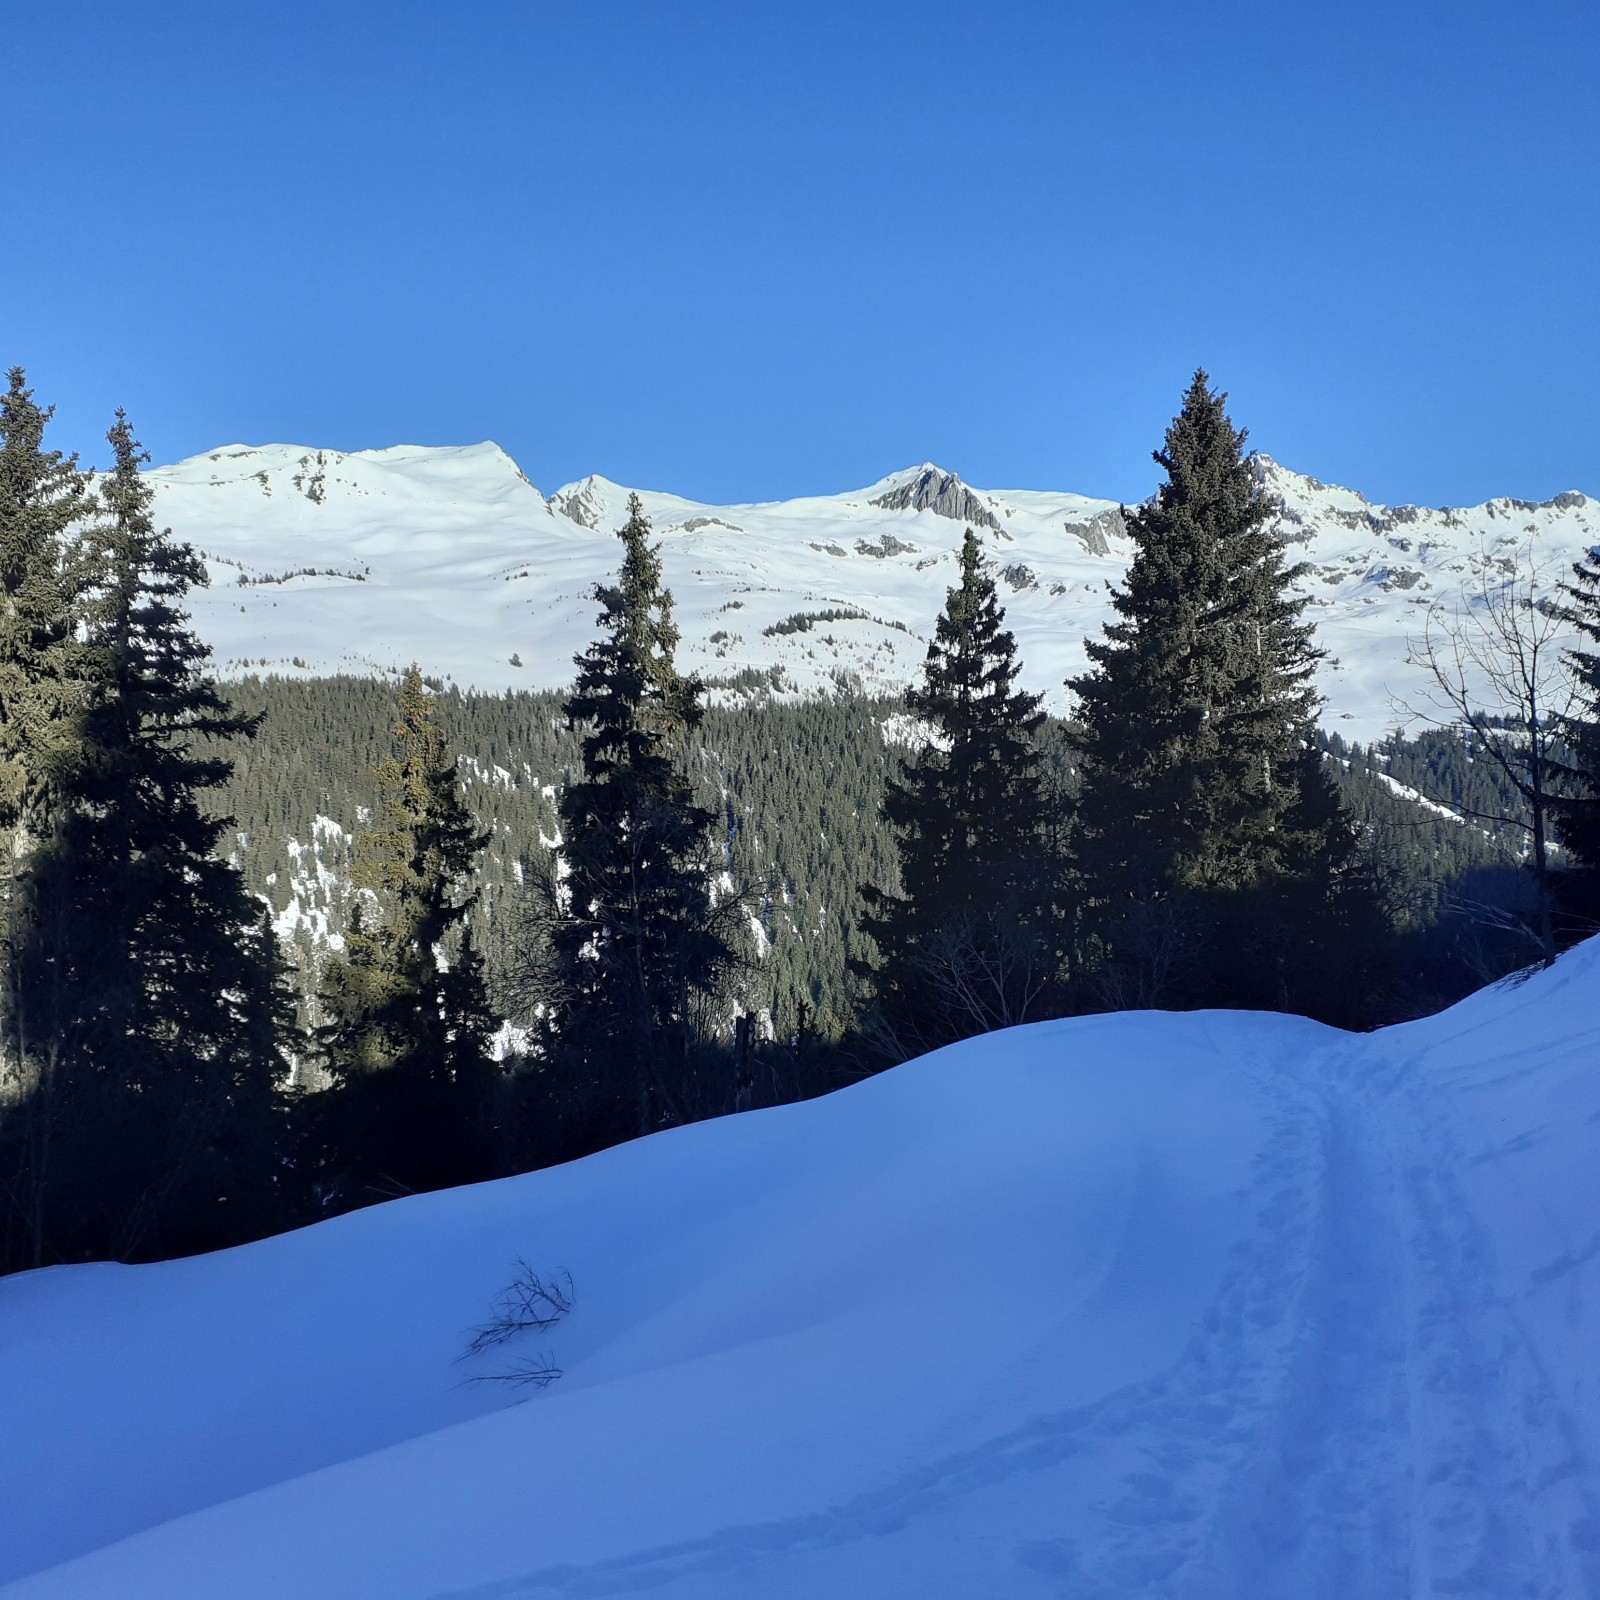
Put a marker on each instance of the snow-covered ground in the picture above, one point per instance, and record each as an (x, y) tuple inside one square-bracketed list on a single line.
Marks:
[(1214, 1305), (363, 562)]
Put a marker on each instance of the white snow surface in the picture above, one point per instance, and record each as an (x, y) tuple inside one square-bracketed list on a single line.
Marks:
[(452, 558), (1207, 1305)]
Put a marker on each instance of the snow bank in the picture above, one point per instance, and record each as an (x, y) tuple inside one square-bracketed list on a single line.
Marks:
[(1206, 1305)]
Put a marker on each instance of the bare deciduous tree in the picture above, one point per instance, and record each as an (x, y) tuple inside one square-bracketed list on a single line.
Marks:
[(1155, 947), (976, 973), (1496, 669)]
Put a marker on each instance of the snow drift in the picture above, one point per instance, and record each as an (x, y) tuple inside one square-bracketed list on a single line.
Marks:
[(1203, 1305)]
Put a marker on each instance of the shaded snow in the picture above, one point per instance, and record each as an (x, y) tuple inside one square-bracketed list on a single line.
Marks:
[(1210, 1305)]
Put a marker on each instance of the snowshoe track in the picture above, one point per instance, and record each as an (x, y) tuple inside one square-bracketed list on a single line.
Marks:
[(1358, 1414)]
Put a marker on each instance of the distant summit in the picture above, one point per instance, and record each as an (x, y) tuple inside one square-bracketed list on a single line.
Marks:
[(927, 488), (326, 561), (585, 502)]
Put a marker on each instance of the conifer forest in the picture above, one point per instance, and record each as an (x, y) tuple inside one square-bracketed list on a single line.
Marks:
[(275, 948)]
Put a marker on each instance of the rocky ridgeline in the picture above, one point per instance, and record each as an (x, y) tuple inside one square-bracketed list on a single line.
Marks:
[(466, 568)]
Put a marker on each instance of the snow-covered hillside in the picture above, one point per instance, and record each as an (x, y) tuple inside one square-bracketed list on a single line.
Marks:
[(1214, 1305), (361, 562)]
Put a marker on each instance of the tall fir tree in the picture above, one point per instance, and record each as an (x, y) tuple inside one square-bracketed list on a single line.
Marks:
[(966, 945), (151, 974), (46, 502), (1578, 811), (633, 936), (406, 1022), (1191, 730)]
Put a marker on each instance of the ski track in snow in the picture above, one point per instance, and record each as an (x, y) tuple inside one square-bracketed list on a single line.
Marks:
[(1331, 1431), (1384, 1392)]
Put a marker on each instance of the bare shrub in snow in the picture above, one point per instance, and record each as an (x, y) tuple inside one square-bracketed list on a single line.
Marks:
[(528, 1304)]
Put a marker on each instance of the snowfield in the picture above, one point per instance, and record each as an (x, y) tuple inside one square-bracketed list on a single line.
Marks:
[(326, 562), (1207, 1305)]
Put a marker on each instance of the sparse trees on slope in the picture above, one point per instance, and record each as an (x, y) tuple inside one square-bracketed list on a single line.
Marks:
[(966, 946), (406, 1026), (1191, 727), (631, 936)]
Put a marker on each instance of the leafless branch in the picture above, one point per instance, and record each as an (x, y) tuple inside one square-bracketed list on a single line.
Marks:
[(538, 1373), (528, 1303)]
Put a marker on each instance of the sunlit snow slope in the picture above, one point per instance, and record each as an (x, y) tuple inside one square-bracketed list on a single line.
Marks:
[(364, 562), (1214, 1305)]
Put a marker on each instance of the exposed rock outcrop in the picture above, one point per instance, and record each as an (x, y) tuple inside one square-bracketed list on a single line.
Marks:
[(695, 524), (883, 546), (580, 503), (942, 493), (1096, 534)]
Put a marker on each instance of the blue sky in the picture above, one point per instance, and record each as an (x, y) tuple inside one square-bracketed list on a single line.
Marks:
[(750, 250)]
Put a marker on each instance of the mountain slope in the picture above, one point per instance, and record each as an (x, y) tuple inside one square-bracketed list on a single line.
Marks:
[(361, 562), (1203, 1305)]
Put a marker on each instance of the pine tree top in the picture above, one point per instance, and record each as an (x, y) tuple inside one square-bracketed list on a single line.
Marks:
[(42, 492), (973, 657), (419, 853), (1209, 574), (46, 503), (629, 693), (152, 666), (1200, 694), (968, 807)]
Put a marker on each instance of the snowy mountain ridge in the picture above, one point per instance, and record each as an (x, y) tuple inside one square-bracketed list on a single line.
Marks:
[(324, 561)]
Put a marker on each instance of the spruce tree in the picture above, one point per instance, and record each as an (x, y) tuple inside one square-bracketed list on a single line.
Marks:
[(406, 1020), (45, 503), (1315, 931), (632, 935), (1578, 812), (1192, 724), (150, 969), (965, 945)]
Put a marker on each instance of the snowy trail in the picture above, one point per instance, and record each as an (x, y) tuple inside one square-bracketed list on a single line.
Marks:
[(1358, 1415), (1363, 1412), (1276, 1434), (1503, 1500), (1198, 1308)]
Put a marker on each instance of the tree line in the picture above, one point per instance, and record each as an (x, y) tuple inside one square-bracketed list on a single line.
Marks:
[(1186, 838), (797, 786)]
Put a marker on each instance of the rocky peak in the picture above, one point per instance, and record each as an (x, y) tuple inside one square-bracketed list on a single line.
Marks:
[(927, 488), (585, 502)]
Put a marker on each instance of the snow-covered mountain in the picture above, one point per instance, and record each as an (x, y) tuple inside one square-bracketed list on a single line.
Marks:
[(1142, 1306), (361, 562)]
